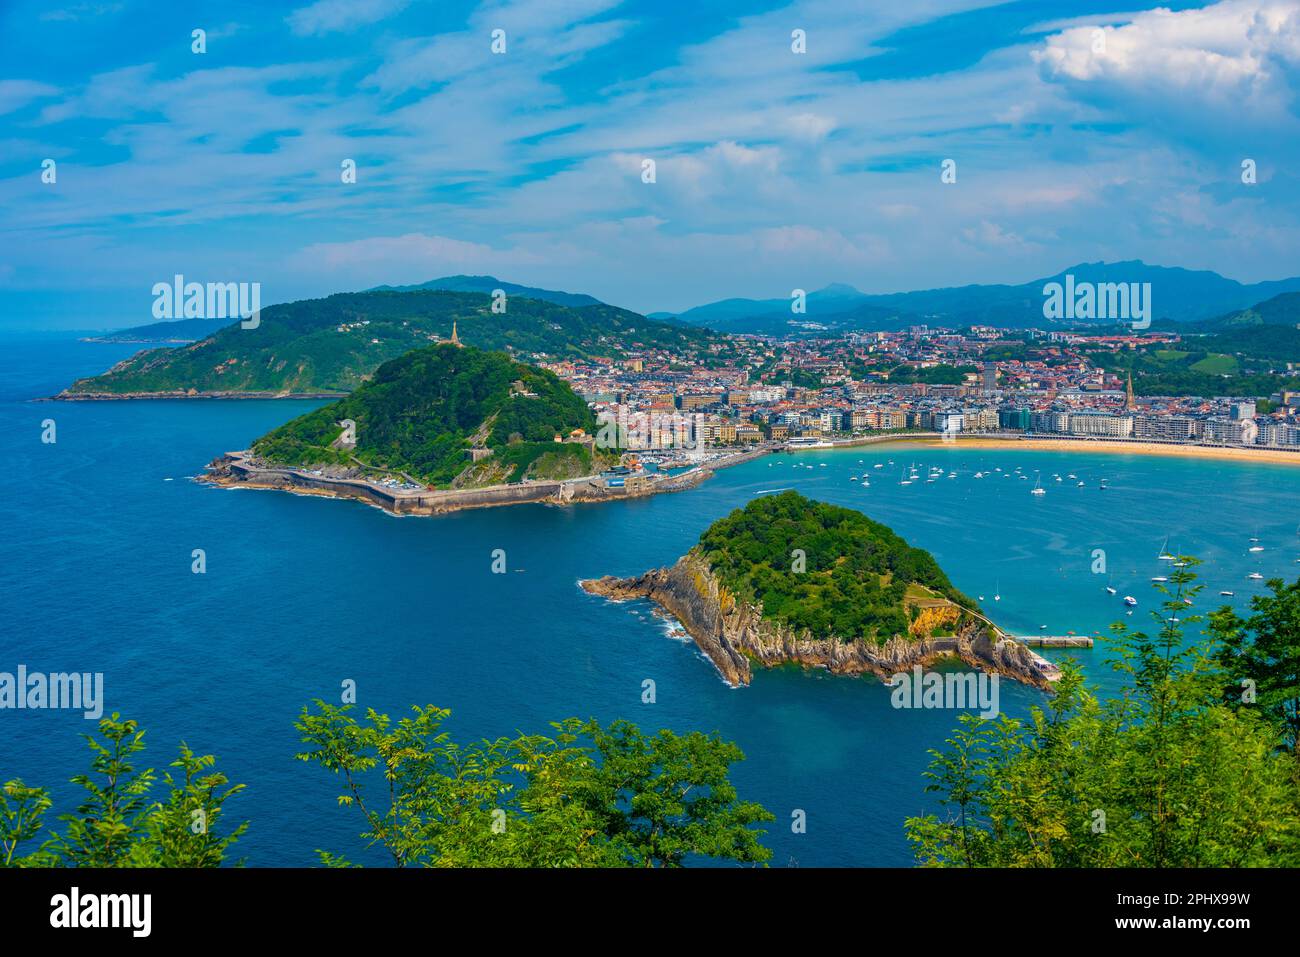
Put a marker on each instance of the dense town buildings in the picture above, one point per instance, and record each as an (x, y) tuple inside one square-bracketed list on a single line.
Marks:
[(981, 379)]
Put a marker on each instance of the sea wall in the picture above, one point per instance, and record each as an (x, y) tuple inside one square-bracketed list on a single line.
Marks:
[(735, 635), (234, 469)]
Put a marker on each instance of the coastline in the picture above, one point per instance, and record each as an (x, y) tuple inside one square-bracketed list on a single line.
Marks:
[(1169, 450), (66, 396), (235, 470)]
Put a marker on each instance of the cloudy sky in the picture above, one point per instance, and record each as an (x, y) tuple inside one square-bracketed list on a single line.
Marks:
[(1079, 132)]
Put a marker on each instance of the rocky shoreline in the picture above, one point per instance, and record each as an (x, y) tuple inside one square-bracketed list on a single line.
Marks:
[(735, 635)]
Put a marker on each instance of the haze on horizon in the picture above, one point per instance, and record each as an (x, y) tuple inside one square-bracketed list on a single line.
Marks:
[(774, 170)]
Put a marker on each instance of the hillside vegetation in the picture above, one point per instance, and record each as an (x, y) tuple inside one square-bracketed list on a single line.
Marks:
[(424, 411), (335, 344), (860, 581)]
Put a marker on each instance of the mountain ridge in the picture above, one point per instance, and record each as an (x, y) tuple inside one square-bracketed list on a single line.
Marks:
[(1179, 295)]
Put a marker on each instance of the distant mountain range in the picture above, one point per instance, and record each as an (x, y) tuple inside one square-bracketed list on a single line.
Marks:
[(174, 330), (1190, 300), (489, 284), (1178, 295)]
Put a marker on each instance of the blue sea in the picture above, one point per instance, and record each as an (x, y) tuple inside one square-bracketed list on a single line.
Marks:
[(302, 594)]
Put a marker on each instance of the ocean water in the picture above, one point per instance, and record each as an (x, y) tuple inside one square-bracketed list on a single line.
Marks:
[(301, 594)]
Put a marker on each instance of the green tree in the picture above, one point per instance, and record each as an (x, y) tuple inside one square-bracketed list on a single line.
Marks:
[(1165, 775), (117, 825), (1264, 648), (588, 796)]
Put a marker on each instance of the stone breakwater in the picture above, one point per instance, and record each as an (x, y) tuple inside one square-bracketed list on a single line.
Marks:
[(237, 470), (735, 635)]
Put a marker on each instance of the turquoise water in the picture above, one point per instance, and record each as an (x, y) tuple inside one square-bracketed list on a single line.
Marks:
[(301, 594)]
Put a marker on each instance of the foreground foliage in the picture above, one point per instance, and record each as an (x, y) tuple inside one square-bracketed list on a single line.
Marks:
[(589, 796), (1166, 775), (118, 824)]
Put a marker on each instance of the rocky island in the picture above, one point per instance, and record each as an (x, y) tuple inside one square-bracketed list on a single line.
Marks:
[(790, 580)]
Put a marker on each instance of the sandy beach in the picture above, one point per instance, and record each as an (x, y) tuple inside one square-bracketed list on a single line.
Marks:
[(1136, 448)]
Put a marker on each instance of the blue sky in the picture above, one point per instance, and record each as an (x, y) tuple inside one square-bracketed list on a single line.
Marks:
[(774, 170)]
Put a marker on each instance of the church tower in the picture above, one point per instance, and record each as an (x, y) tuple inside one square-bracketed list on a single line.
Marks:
[(455, 339), (1130, 404)]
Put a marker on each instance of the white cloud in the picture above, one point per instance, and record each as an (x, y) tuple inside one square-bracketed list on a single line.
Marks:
[(15, 94), (1232, 65), (332, 16)]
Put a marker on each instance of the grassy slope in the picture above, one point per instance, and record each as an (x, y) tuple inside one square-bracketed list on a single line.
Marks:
[(298, 347)]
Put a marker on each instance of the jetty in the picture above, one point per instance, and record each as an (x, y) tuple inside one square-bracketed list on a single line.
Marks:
[(1055, 641)]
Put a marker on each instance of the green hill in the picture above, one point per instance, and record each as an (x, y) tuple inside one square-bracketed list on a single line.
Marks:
[(860, 580), (423, 412), (335, 344), (1283, 310)]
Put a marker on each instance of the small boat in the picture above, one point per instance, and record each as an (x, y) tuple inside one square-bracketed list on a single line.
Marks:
[(1080, 485), (1160, 578), (1228, 593), (1072, 476), (979, 474), (877, 466), (1187, 601), (1164, 555), (853, 478), (1110, 590), (1130, 600), (1255, 576), (1255, 548), (1038, 488)]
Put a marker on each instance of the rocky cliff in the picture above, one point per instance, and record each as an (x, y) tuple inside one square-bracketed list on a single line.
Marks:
[(735, 635)]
